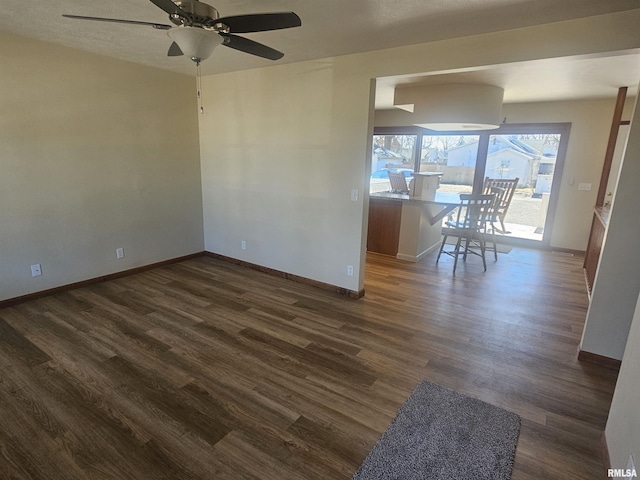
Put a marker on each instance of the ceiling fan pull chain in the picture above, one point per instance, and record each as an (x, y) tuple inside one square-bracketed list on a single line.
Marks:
[(199, 87)]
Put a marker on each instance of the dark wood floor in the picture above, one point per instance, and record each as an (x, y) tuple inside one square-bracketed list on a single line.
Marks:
[(203, 369)]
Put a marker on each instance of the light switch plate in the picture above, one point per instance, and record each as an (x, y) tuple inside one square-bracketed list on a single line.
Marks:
[(584, 186)]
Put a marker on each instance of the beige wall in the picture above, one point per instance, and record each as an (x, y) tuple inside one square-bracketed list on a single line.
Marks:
[(590, 124), (623, 425), (280, 156), (95, 154), (282, 147)]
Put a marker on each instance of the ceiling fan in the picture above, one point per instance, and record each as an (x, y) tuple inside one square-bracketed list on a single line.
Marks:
[(198, 29)]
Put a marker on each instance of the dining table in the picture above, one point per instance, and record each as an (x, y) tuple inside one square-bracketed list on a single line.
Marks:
[(444, 203)]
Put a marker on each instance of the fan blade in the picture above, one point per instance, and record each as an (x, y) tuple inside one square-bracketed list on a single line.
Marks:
[(259, 22), (171, 8), (159, 26), (174, 50), (249, 46)]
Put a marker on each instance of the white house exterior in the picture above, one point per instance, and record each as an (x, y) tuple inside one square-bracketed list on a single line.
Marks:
[(507, 158), (508, 163)]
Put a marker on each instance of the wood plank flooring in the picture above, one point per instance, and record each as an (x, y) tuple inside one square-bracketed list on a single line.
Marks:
[(208, 370)]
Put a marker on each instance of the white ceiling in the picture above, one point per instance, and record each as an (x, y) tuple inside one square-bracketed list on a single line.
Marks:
[(537, 81), (336, 27)]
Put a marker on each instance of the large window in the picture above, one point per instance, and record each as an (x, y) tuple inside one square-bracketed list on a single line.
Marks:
[(395, 153), (533, 153), (455, 156)]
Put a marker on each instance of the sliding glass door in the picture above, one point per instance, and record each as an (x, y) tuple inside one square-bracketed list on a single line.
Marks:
[(534, 154)]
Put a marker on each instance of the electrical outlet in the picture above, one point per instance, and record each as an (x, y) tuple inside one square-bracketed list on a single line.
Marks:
[(243, 245), (36, 270), (354, 195), (350, 270), (120, 252)]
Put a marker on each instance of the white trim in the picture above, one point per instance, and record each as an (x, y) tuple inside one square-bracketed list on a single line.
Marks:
[(420, 256)]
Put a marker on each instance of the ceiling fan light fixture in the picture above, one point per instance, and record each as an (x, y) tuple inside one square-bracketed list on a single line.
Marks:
[(196, 43)]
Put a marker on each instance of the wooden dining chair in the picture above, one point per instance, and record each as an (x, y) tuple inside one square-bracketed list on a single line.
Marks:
[(469, 226), (490, 227), (502, 206), (398, 182)]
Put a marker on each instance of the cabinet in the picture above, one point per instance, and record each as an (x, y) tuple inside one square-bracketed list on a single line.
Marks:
[(384, 226), (601, 211), (596, 238)]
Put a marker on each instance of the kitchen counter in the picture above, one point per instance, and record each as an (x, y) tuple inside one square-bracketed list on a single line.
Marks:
[(409, 226)]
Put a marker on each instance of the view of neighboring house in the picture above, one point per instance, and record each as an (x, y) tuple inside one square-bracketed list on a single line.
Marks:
[(383, 158), (508, 157)]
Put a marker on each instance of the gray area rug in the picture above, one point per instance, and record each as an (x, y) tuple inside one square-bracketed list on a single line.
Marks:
[(442, 434)]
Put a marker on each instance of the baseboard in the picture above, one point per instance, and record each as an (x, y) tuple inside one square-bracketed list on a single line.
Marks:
[(289, 276), (70, 286), (270, 271), (601, 360), (406, 258), (606, 458), (567, 251), (420, 256)]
